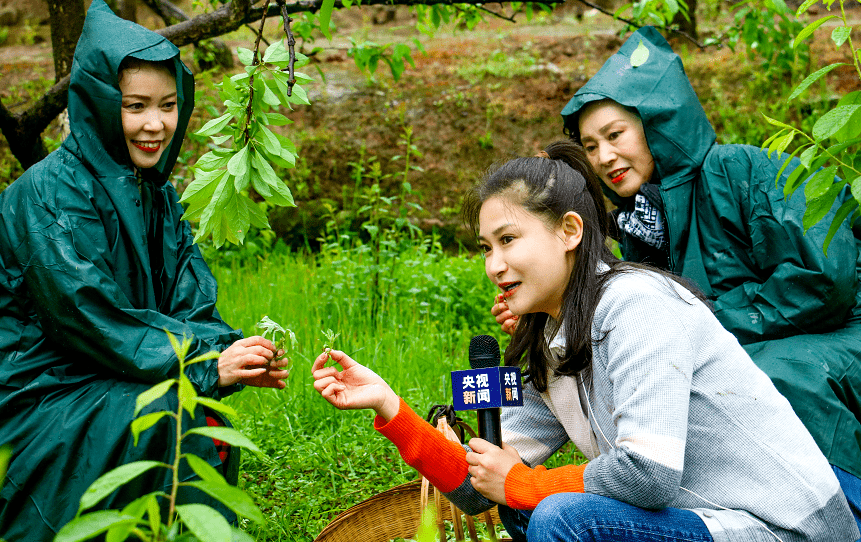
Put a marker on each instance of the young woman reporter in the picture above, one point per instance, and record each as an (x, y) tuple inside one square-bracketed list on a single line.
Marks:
[(687, 438)]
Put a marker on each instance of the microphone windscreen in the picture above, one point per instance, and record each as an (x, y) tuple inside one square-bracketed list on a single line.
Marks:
[(483, 352)]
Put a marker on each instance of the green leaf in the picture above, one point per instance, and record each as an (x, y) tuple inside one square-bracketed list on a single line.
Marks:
[(204, 470), (139, 425), (277, 119), (775, 122), (90, 525), (844, 211), (5, 458), (188, 395), (136, 508), (205, 523), (812, 78), (640, 55), (794, 180), (856, 188), (809, 29), (831, 122), (246, 56), (802, 9), (212, 354), (216, 405), (270, 142), (325, 17), (269, 97), (238, 534), (779, 144), (276, 52), (808, 155), (239, 164), (111, 480), (820, 183), (232, 497), (819, 207), (215, 125), (228, 435), (150, 395), (840, 34)]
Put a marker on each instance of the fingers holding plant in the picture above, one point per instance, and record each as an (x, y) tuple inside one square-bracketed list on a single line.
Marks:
[(245, 359), (354, 386)]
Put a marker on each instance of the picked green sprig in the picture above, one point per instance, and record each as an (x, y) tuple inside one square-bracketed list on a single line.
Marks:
[(283, 339)]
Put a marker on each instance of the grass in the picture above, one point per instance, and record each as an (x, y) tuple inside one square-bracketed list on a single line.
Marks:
[(317, 461)]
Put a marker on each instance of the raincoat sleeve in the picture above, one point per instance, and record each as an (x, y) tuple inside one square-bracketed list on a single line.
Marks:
[(802, 290), (66, 258)]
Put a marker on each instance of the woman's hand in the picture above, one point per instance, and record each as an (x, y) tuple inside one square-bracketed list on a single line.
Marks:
[(354, 387), (489, 465), (504, 316), (250, 361)]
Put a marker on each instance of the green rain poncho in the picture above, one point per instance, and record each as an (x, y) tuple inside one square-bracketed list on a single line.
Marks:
[(93, 269), (796, 311)]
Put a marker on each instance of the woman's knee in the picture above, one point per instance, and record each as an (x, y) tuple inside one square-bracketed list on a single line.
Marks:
[(557, 516)]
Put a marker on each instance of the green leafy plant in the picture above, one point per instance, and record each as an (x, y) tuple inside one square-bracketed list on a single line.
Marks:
[(367, 55), (283, 339), (142, 519), (218, 197), (658, 13), (831, 152)]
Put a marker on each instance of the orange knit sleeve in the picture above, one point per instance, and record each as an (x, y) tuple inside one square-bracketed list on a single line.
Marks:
[(422, 447), (525, 487)]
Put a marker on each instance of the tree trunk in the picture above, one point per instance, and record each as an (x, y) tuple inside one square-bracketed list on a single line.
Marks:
[(129, 10), (67, 22)]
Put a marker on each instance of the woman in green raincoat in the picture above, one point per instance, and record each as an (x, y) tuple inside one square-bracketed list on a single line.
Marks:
[(713, 214), (95, 265)]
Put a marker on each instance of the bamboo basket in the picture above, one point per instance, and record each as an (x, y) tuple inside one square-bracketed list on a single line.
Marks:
[(396, 512)]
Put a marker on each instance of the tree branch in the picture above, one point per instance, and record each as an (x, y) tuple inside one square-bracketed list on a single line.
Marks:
[(635, 25)]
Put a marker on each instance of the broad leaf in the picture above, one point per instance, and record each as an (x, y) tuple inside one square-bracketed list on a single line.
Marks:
[(812, 78), (820, 183), (90, 525), (239, 164), (856, 188), (640, 55), (246, 56), (204, 470), (188, 395), (139, 425), (276, 52), (215, 125), (228, 435), (325, 17), (150, 395), (205, 523), (840, 34), (809, 29), (844, 211), (111, 480), (833, 121), (820, 206), (232, 497)]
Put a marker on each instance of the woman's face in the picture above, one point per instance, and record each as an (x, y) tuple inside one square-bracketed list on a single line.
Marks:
[(529, 261), (149, 113), (616, 146)]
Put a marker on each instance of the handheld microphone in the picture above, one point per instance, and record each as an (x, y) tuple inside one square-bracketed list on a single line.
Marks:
[(486, 387)]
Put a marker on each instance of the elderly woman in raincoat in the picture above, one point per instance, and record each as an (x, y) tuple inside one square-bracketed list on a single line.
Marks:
[(712, 213), (95, 265)]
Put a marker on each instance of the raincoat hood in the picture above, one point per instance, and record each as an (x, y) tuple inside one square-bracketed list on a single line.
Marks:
[(677, 130), (95, 98)]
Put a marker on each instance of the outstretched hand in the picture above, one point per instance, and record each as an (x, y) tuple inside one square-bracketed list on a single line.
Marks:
[(250, 361), (489, 465), (504, 316), (353, 387)]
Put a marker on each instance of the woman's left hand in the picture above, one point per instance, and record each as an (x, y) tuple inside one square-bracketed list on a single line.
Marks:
[(489, 465), (250, 361)]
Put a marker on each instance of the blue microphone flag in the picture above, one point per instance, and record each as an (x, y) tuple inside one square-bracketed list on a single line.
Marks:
[(489, 387)]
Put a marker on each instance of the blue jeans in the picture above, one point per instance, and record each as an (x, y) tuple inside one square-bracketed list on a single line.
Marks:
[(851, 487), (582, 517)]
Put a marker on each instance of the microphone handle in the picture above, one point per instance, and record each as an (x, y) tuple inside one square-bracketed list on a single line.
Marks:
[(489, 426)]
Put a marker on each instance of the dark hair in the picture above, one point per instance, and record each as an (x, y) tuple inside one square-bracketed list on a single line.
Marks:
[(132, 63), (549, 188)]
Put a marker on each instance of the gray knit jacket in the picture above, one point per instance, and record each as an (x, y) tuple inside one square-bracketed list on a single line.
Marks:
[(681, 417)]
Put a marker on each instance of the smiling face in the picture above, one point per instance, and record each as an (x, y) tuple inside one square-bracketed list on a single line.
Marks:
[(528, 260), (149, 112), (616, 146)]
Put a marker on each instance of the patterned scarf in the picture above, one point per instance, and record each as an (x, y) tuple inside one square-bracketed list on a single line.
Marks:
[(645, 222)]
